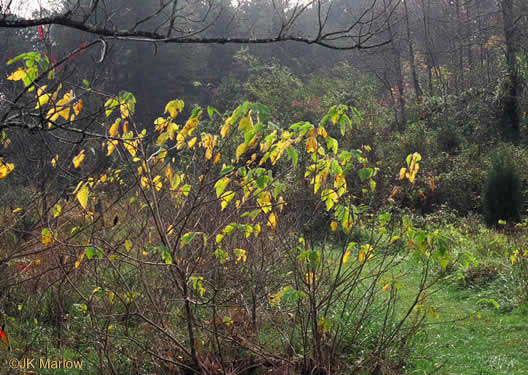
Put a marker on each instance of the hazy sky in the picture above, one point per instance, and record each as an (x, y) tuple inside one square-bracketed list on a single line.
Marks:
[(25, 7)]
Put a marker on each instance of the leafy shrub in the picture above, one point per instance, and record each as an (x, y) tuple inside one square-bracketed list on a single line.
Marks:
[(502, 192)]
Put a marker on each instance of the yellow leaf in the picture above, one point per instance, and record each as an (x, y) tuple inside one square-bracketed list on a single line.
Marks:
[(131, 147), (42, 99), (56, 93), (361, 257), (40, 90), (157, 183), (192, 142), (128, 245), (114, 128), (145, 182), (5, 169), (173, 107), (78, 159), (402, 173), (17, 210), (346, 256), (245, 124), (123, 108), (240, 255), (82, 196), (190, 125), (168, 174), (240, 150), (310, 278), (217, 157), (311, 144), (394, 192), (322, 132), (264, 201), (226, 198), (333, 225), (18, 75), (78, 263), (272, 221), (111, 145), (64, 113), (365, 253), (224, 130), (47, 237), (57, 209), (78, 107), (54, 161), (66, 99), (385, 287)]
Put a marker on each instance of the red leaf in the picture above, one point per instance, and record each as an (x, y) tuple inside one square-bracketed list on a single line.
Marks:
[(3, 339)]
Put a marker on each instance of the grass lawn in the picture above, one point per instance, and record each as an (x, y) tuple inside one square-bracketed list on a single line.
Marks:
[(478, 338)]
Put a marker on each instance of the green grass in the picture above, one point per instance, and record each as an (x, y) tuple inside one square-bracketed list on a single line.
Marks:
[(471, 336)]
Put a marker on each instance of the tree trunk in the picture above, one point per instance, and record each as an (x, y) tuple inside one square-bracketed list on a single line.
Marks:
[(510, 114), (412, 59)]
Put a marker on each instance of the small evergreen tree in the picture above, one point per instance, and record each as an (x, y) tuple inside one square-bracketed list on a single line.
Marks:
[(502, 192)]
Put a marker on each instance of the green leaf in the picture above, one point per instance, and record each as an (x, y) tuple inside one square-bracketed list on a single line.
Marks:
[(245, 108), (293, 155), (372, 184), (311, 256), (226, 170), (129, 99), (262, 112), (211, 111), (365, 173), (92, 251), (197, 111), (384, 218), (332, 144), (187, 237), (356, 111), (221, 255), (262, 182), (110, 105)]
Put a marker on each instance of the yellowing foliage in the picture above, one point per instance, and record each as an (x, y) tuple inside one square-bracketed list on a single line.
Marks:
[(77, 107), (47, 237), (18, 75), (78, 159), (82, 195), (112, 132), (346, 256), (5, 169), (272, 221)]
